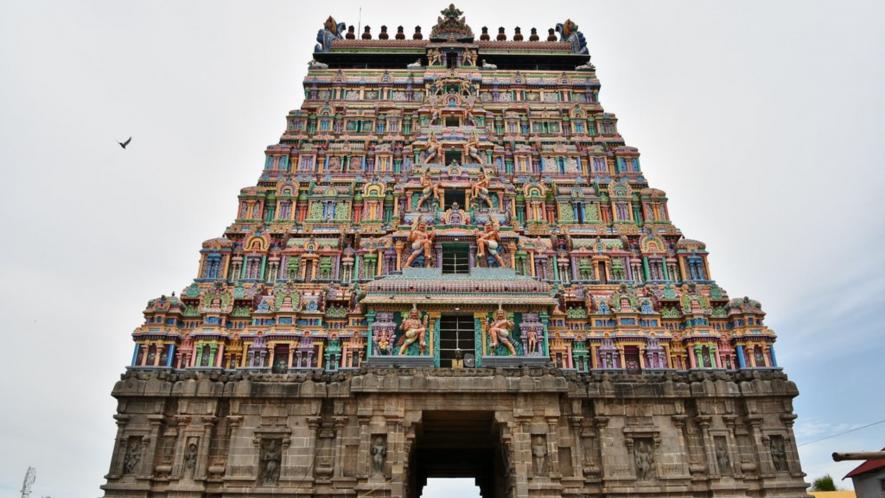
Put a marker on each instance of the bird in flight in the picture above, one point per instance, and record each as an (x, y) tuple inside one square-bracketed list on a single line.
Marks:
[(124, 144)]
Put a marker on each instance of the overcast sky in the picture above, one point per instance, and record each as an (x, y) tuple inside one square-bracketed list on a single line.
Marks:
[(762, 121)]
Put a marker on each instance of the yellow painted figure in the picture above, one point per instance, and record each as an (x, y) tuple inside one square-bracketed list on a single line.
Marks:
[(413, 330), (421, 240), (500, 331)]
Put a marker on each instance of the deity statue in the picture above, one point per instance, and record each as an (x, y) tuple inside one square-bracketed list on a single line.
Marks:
[(568, 32), (421, 241), (723, 462), (413, 329), (434, 57), (382, 339), (490, 240), (480, 188), (355, 297), (500, 330), (270, 462), (190, 457), (331, 31), (379, 454), (644, 459), (133, 455), (455, 215), (532, 339), (471, 149), (429, 189), (778, 454), (469, 58), (539, 454), (468, 117), (454, 169), (434, 149)]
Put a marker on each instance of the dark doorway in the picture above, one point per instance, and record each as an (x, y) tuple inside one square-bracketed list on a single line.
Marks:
[(453, 156), (451, 60), (456, 339), (453, 195), (280, 358), (631, 358), (459, 444)]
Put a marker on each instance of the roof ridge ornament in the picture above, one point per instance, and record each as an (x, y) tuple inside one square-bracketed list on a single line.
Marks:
[(568, 32), (452, 27), (331, 31)]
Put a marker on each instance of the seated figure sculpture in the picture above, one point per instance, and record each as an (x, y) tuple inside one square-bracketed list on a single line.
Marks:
[(480, 188), (429, 189), (471, 149), (455, 215), (413, 330), (434, 149), (489, 240), (500, 331), (420, 241)]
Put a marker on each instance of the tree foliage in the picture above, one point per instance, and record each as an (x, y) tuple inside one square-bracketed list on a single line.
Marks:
[(824, 483)]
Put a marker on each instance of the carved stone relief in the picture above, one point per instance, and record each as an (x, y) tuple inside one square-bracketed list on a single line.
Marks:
[(539, 454), (379, 453), (644, 458), (132, 457), (723, 461), (778, 453), (190, 457), (269, 462)]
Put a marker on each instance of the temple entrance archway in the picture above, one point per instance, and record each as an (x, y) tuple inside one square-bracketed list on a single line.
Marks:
[(458, 444)]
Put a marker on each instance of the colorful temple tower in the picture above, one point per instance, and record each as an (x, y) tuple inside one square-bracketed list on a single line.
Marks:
[(452, 264)]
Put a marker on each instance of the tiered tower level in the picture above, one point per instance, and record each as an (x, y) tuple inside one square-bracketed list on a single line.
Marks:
[(459, 210)]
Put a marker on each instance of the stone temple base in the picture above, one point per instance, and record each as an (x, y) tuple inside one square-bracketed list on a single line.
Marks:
[(400, 361), (528, 432), (515, 361)]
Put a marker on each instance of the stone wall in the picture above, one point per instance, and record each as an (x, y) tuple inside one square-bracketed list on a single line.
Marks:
[(674, 434)]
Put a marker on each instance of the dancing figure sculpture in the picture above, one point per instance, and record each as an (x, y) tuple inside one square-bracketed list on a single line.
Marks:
[(489, 241), (480, 188), (471, 149), (414, 329), (429, 189), (434, 149), (500, 331), (421, 242)]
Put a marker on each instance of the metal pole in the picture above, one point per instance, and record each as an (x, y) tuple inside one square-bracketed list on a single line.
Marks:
[(858, 455)]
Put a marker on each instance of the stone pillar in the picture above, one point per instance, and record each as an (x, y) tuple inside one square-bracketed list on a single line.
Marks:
[(397, 459), (150, 443), (703, 422), (763, 459), (734, 453), (339, 423), (115, 469), (364, 465), (575, 423)]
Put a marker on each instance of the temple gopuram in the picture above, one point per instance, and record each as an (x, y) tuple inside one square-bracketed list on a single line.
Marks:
[(452, 265)]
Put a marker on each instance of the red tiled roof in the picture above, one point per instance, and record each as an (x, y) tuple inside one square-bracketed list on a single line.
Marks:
[(868, 466)]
